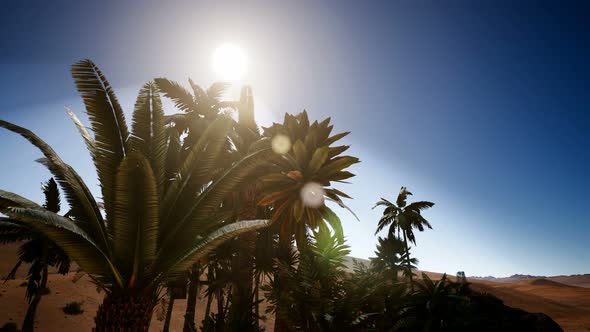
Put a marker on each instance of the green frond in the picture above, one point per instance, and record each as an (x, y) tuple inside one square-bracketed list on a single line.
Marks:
[(149, 130), (108, 124), (71, 238), (172, 155), (134, 226), (173, 265), (82, 203), (318, 159), (334, 222), (197, 167), (209, 201)]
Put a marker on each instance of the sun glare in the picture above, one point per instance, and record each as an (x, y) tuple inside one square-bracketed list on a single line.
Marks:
[(229, 62)]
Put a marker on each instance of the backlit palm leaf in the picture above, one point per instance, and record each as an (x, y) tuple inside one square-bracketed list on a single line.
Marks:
[(149, 130), (79, 197), (71, 238), (108, 124), (174, 264), (208, 202), (136, 216)]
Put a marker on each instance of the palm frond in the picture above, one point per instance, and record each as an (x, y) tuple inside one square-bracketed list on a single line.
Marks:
[(88, 139), (217, 90), (419, 206), (181, 97), (8, 199), (11, 231), (108, 124), (51, 192), (196, 165), (71, 238), (202, 247), (334, 222), (79, 197), (136, 216), (149, 132), (211, 198)]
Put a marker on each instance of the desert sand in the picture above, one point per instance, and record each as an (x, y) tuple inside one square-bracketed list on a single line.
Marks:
[(568, 305)]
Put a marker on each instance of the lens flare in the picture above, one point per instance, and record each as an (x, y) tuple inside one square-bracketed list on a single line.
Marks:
[(312, 195), (281, 144)]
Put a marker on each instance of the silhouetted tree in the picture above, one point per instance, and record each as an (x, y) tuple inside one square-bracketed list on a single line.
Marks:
[(402, 218), (37, 250)]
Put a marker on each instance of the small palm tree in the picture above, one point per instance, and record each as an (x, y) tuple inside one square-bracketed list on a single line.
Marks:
[(313, 285), (391, 258), (38, 251), (402, 218), (435, 305), (156, 227)]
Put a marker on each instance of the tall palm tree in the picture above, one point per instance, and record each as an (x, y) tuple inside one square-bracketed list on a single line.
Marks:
[(38, 251), (297, 185), (402, 218), (198, 109), (155, 227)]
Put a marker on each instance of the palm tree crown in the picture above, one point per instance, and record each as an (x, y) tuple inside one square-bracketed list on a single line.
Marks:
[(155, 227)]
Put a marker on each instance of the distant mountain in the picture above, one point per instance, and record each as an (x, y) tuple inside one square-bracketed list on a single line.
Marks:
[(579, 280)]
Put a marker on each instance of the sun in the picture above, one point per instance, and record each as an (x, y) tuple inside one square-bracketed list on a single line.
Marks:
[(229, 62)]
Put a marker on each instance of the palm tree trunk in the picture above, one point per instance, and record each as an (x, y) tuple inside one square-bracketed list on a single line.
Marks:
[(284, 253), (29, 321), (243, 268), (125, 312), (220, 321), (257, 300), (408, 264), (210, 295), (169, 311), (191, 303)]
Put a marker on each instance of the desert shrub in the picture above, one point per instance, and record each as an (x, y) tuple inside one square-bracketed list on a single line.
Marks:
[(73, 308)]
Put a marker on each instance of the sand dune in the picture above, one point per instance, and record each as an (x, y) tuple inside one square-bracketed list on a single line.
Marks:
[(568, 305)]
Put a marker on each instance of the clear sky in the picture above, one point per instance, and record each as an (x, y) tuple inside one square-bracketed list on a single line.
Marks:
[(479, 106)]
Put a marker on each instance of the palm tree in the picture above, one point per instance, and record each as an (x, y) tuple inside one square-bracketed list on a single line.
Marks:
[(391, 257), (200, 108), (155, 227), (435, 305), (402, 218), (313, 285), (297, 185), (38, 251)]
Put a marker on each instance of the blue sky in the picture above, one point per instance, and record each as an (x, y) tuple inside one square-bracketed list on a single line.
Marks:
[(480, 107)]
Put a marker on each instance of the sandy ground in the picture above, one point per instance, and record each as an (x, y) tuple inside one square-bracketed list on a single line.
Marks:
[(69, 288), (567, 305)]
